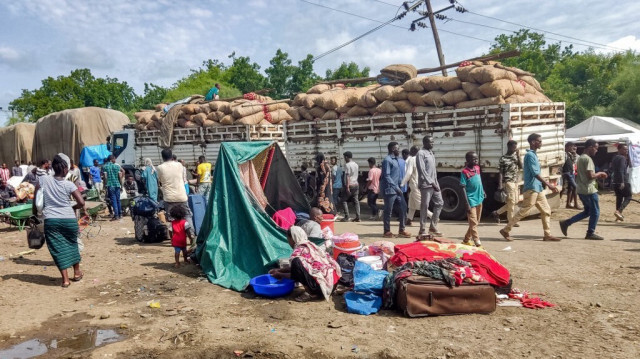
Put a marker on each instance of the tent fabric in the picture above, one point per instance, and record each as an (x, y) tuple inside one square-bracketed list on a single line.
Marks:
[(70, 131), (281, 188), (238, 240), (604, 129), (16, 143), (252, 182), (90, 153)]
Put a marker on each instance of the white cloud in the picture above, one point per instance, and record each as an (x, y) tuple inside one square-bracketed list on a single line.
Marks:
[(627, 43), (16, 59), (83, 55)]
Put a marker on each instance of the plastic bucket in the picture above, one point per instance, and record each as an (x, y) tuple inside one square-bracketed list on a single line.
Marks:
[(337, 250), (327, 221), (374, 262)]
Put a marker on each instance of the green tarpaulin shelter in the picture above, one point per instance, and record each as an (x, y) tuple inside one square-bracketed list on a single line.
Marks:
[(238, 239)]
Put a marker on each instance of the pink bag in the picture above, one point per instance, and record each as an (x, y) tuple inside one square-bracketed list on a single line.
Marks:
[(285, 218)]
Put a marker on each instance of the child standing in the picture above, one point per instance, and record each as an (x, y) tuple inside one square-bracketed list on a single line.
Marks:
[(474, 195), (181, 230)]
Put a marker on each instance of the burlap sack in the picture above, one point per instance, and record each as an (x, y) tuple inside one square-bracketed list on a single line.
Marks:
[(400, 71), (280, 115), (451, 98), (343, 109), (336, 86), (214, 105), (238, 102), (516, 99), (504, 88), (422, 109), (205, 108), (367, 99), (209, 123), (247, 109), (530, 80), (332, 99), (488, 73), (160, 106), (308, 101), (386, 107), (515, 70), (252, 119), (143, 117), (403, 106), (213, 116), (433, 83), (354, 95), (277, 106), (226, 120), (536, 98), (528, 88), (317, 112), (399, 94), (153, 125), (224, 107), (433, 98), (297, 101), (372, 110), (319, 88), (357, 111), (481, 102), (472, 90), (140, 126), (293, 113), (156, 116), (190, 124), (199, 118), (416, 98), (451, 83), (414, 85), (464, 73), (190, 108), (383, 93), (304, 113), (330, 115)]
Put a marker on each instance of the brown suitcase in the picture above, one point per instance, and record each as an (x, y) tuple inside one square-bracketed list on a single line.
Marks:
[(419, 296)]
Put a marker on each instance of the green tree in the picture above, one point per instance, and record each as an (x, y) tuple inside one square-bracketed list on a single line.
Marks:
[(199, 81), (279, 75), (347, 71), (244, 75), (626, 84), (151, 96), (303, 77)]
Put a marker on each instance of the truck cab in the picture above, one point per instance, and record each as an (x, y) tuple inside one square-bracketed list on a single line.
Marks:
[(122, 146)]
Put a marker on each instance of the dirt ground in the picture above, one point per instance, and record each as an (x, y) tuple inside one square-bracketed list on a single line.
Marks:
[(593, 283)]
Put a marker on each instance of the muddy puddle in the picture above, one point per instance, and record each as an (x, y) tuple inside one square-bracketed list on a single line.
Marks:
[(79, 343)]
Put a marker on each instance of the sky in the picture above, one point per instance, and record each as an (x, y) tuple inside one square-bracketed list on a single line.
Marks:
[(159, 41)]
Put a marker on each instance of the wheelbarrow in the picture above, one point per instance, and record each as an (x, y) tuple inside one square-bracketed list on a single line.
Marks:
[(17, 215)]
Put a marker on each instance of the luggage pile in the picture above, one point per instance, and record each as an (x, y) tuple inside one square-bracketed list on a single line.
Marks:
[(251, 110)]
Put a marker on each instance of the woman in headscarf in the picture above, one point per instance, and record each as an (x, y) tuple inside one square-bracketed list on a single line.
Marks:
[(150, 176), (324, 185), (311, 266), (60, 222)]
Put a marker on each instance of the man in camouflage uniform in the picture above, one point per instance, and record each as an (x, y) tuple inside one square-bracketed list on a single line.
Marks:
[(510, 164)]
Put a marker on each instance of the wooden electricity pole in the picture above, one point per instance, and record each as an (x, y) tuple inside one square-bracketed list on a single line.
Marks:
[(436, 38)]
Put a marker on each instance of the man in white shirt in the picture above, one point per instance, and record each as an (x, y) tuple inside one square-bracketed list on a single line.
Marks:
[(351, 187), (170, 177)]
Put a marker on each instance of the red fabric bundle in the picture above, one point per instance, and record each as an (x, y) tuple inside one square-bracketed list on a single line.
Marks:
[(285, 218), (416, 251), (494, 272)]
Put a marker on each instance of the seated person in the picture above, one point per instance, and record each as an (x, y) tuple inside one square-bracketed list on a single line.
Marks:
[(312, 226), (7, 194), (130, 186), (31, 177), (310, 266)]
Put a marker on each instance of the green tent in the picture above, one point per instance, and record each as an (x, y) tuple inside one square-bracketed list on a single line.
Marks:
[(238, 239)]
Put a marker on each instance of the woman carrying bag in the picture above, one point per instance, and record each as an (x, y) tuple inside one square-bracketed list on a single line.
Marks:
[(60, 222)]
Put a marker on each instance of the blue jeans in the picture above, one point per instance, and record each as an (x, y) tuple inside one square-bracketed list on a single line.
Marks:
[(591, 205), (114, 197), (371, 201), (389, 201)]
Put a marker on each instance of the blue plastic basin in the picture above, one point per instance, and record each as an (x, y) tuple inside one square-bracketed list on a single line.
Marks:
[(267, 286)]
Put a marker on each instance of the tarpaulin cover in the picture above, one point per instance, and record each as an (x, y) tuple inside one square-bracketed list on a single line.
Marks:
[(238, 239), (16, 142), (70, 131), (90, 153)]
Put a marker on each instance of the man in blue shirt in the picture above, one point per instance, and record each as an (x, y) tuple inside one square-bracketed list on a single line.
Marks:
[(390, 188), (533, 192), (213, 94), (96, 180), (336, 173)]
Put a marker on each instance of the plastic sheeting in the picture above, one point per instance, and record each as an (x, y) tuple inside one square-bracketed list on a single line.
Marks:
[(16, 143), (238, 239), (70, 131), (90, 153)]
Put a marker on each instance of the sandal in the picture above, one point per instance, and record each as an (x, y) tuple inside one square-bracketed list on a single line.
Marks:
[(78, 278), (305, 297), (65, 285)]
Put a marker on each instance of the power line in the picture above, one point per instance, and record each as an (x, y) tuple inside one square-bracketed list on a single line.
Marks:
[(536, 29), (352, 14)]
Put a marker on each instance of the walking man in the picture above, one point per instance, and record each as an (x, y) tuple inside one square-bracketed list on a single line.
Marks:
[(337, 174), (171, 178), (390, 187), (620, 180), (351, 186), (204, 177), (587, 191), (113, 172), (429, 187), (373, 188), (96, 180), (533, 192), (509, 166), (16, 170), (569, 174)]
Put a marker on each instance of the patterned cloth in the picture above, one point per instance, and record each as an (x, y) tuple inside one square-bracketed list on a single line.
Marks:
[(316, 262), (112, 170), (325, 187), (62, 240), (509, 168)]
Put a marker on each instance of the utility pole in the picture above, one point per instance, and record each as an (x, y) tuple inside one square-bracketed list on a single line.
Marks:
[(436, 38)]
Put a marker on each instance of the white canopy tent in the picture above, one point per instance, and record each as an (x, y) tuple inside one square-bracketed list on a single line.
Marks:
[(604, 129)]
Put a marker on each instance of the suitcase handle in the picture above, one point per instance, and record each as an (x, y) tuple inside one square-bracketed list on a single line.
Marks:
[(430, 299)]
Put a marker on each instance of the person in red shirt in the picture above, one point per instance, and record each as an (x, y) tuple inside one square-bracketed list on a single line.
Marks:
[(181, 229), (373, 188)]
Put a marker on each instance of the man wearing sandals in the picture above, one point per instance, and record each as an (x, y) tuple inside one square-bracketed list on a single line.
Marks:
[(533, 192), (429, 187), (390, 188)]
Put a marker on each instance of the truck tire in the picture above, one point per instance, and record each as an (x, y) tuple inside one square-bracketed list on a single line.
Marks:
[(454, 207)]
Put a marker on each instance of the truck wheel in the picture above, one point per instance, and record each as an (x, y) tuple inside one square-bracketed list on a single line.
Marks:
[(454, 207)]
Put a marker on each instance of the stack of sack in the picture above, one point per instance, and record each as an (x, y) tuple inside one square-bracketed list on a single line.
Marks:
[(251, 110), (477, 84)]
